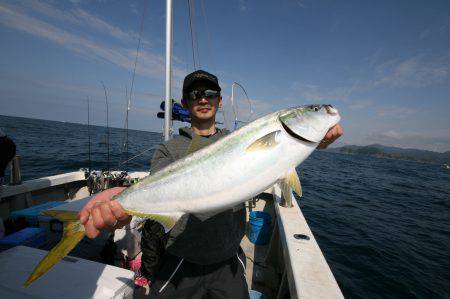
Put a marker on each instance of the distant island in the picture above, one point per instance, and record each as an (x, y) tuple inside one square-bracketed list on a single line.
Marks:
[(378, 150)]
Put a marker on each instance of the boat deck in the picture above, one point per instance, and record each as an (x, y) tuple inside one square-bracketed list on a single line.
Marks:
[(291, 265), (260, 275)]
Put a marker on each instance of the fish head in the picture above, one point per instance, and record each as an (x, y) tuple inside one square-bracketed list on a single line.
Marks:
[(310, 122)]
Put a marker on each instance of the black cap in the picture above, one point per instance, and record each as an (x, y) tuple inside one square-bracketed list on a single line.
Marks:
[(200, 76)]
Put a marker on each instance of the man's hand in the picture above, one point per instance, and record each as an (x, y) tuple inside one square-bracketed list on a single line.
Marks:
[(332, 134), (101, 213)]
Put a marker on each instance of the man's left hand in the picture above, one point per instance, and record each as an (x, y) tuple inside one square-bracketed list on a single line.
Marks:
[(332, 134)]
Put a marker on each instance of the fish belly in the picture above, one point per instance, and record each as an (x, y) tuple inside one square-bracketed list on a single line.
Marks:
[(220, 181)]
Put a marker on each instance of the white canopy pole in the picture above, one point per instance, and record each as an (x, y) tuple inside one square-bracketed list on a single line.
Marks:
[(168, 102)]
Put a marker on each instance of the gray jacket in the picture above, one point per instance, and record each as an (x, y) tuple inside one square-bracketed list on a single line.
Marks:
[(204, 239)]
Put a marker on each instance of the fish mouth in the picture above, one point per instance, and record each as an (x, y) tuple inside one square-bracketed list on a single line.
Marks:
[(290, 132), (331, 110)]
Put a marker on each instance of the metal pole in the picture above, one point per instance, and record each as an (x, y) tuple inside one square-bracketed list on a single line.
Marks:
[(168, 101)]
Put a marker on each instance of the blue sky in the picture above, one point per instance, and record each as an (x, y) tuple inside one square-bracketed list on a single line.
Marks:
[(384, 64)]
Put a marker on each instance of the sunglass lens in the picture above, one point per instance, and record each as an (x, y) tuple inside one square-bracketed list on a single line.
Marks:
[(211, 93), (193, 95), (197, 94)]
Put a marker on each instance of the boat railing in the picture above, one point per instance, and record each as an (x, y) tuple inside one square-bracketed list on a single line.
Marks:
[(306, 273)]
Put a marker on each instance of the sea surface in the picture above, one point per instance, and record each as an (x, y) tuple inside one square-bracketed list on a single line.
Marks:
[(383, 224)]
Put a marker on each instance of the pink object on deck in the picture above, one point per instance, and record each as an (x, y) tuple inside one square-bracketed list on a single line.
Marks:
[(135, 264), (141, 281)]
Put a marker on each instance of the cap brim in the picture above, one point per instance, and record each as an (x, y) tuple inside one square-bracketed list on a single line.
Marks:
[(210, 84)]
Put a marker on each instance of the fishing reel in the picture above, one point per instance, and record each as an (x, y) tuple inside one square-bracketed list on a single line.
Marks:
[(98, 181)]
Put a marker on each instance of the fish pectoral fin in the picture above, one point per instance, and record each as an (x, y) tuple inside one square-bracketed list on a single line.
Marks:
[(288, 183), (264, 143), (73, 233), (167, 220)]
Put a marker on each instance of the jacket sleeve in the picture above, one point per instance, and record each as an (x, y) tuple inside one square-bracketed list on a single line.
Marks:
[(161, 158), (153, 241)]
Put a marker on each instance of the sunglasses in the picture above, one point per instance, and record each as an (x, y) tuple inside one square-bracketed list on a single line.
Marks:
[(198, 94)]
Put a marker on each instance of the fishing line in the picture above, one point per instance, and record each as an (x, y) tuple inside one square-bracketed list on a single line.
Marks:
[(234, 105), (248, 100), (208, 35), (194, 43), (140, 154)]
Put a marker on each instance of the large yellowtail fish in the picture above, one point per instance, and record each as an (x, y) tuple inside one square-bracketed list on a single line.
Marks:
[(218, 176)]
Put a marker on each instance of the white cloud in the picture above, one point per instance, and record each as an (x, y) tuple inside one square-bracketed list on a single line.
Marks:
[(360, 104), (301, 3), (95, 23), (242, 5), (391, 134), (134, 8), (151, 64), (306, 92), (418, 71), (396, 112)]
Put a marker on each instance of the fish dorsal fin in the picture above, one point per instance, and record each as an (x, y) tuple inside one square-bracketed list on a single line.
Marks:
[(197, 143), (167, 220), (288, 183), (266, 142)]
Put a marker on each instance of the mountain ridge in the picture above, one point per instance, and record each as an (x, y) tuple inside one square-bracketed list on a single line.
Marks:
[(379, 150)]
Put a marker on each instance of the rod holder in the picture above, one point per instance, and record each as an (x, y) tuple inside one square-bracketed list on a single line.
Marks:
[(16, 176)]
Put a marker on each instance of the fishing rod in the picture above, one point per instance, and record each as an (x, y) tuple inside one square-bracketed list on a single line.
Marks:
[(128, 97), (107, 124), (89, 135), (126, 125), (124, 143)]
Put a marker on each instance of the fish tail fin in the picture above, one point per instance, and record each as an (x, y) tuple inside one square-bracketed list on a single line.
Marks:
[(72, 235)]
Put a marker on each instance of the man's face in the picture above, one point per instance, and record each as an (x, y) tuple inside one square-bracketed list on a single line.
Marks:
[(202, 109)]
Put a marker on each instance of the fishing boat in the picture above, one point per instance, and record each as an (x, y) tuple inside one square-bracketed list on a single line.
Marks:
[(290, 264)]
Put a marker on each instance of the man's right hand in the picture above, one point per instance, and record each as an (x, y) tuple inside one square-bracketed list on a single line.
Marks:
[(101, 213)]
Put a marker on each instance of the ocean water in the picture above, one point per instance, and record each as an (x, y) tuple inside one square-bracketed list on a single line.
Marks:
[(383, 225), (48, 147)]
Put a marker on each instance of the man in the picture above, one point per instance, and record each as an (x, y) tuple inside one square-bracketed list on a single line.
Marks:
[(203, 257), (7, 152)]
